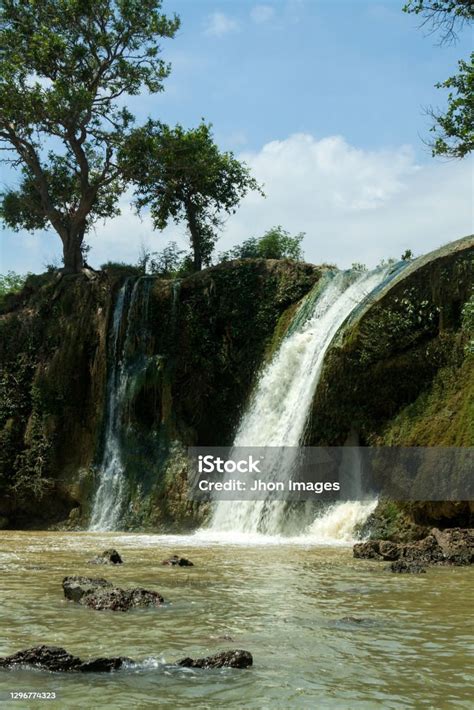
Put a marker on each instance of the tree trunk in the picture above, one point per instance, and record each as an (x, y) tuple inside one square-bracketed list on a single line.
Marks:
[(72, 254), (195, 237)]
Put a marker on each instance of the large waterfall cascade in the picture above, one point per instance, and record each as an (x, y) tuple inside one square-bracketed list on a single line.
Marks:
[(277, 414), (278, 411)]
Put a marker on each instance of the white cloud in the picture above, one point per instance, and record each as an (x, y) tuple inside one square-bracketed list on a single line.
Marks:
[(219, 24), (262, 13), (353, 204)]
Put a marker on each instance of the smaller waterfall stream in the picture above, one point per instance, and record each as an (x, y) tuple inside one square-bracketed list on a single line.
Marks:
[(280, 406), (130, 313)]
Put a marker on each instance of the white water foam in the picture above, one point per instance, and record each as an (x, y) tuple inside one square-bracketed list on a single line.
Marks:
[(278, 412)]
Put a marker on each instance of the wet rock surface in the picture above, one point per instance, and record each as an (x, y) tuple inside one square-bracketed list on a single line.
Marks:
[(53, 658), (454, 546), (101, 595), (58, 660), (108, 557), (225, 659), (76, 587), (176, 561), (404, 567)]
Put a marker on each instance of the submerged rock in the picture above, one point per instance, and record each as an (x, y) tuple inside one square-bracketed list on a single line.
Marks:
[(354, 620), (176, 561), (224, 659), (404, 567), (454, 546), (53, 658), (102, 595), (108, 557)]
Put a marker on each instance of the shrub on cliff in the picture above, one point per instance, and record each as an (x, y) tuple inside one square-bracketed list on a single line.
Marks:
[(276, 243)]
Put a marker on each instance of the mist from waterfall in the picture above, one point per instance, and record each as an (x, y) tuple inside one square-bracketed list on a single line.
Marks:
[(278, 412)]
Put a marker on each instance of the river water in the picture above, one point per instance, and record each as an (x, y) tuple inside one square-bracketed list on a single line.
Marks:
[(283, 602)]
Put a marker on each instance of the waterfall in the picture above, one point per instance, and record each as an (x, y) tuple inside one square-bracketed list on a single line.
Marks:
[(278, 411), (130, 314)]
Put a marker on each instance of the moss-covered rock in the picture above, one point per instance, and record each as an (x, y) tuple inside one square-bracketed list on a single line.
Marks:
[(193, 356), (401, 373), (51, 397)]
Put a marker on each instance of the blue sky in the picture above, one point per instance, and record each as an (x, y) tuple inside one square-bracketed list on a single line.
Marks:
[(324, 100)]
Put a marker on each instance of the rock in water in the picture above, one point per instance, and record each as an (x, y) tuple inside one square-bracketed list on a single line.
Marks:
[(406, 567), (75, 587), (367, 550), (175, 561), (225, 659), (108, 557), (55, 659), (454, 546), (52, 658), (116, 599), (101, 595)]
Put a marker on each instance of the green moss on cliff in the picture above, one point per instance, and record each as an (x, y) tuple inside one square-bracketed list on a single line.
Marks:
[(391, 354), (53, 366)]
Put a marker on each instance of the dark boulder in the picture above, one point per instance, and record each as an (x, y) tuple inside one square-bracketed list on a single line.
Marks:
[(224, 659), (456, 544), (104, 665), (116, 599), (102, 595), (407, 567), (367, 550), (175, 561), (390, 550), (453, 546), (52, 658), (76, 587), (55, 659), (108, 557)]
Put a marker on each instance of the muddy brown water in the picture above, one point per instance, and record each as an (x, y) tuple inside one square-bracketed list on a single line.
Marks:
[(283, 602)]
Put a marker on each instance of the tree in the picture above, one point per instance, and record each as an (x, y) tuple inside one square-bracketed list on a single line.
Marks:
[(453, 130), (444, 16), (65, 67), (11, 282), (167, 262), (276, 243), (181, 175)]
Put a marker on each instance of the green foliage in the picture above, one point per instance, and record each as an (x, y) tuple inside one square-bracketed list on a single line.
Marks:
[(454, 129), (66, 66), (169, 262), (444, 16), (11, 282), (397, 325), (468, 324), (276, 243), (358, 266), (181, 175), (407, 255), (33, 464)]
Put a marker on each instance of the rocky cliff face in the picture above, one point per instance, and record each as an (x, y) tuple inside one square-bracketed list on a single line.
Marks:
[(205, 339), (400, 373)]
